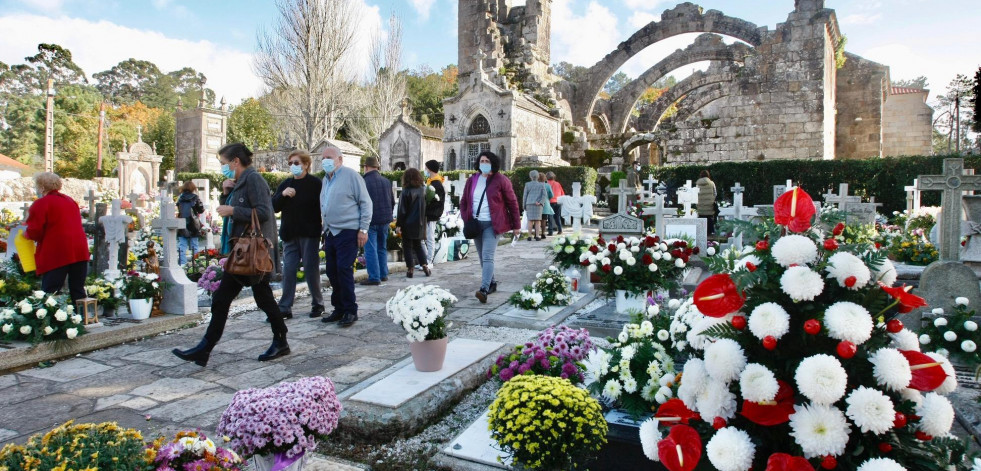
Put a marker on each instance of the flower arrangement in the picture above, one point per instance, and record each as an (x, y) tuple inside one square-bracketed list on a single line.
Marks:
[(806, 365), (637, 265), (556, 351), (41, 317), (421, 311), (200, 261), (567, 250), (137, 285), (211, 277), (286, 419), (913, 248), (551, 288), (78, 446), (14, 283), (103, 290), (193, 450), (547, 423), (431, 194), (394, 242), (956, 335), (450, 224)]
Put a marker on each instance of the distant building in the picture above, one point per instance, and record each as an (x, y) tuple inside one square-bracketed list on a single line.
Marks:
[(352, 153), (8, 164), (198, 134), (406, 144), (907, 123)]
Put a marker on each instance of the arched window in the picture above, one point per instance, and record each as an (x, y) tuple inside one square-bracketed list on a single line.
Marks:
[(452, 159), (502, 154), (479, 126), (399, 166)]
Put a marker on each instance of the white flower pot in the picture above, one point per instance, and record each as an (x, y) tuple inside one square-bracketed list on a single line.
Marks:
[(585, 285), (630, 302), (140, 308), (267, 462)]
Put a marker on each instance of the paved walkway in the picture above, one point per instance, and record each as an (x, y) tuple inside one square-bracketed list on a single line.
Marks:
[(142, 385)]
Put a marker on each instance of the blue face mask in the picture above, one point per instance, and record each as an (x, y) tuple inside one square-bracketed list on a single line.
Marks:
[(227, 172), (328, 165), (485, 168), (425, 173), (296, 170)]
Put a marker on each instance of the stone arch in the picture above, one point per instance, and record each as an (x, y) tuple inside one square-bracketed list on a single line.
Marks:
[(638, 140), (707, 47), (684, 18), (681, 89), (700, 98), (600, 123)]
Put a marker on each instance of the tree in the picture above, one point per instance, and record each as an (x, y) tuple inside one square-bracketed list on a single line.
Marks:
[(427, 89), (252, 124), (127, 81), (953, 113), (23, 138), (76, 130), (55, 62), (919, 82), (976, 104), (570, 72), (301, 61), (616, 83), (384, 95)]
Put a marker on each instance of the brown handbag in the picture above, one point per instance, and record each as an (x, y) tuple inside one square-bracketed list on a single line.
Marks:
[(250, 252)]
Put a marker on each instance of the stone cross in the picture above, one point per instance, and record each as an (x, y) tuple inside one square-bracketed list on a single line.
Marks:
[(912, 196), (622, 193), (92, 198), (687, 196), (180, 294), (115, 226), (738, 211), (651, 187), (134, 199), (396, 191), (953, 183), (660, 213), (577, 208), (26, 209), (842, 198)]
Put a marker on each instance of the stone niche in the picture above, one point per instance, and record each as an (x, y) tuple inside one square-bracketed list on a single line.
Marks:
[(407, 144), (139, 169)]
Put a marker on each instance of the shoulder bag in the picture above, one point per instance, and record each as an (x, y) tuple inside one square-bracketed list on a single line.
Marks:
[(250, 252), (471, 227)]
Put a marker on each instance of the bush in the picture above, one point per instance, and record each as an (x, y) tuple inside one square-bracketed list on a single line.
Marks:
[(82, 446), (564, 175), (216, 179)]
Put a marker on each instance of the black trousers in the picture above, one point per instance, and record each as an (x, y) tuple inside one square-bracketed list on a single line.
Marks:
[(412, 249), (555, 220), (228, 289), (52, 281)]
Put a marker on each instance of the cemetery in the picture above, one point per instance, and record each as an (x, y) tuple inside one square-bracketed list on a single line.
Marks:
[(767, 265)]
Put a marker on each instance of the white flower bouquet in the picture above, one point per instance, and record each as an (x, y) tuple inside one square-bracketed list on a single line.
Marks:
[(421, 311), (450, 224), (40, 317), (551, 288), (566, 251)]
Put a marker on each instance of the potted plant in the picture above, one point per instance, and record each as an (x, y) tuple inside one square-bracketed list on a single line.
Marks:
[(140, 289), (556, 351), (192, 450), (421, 311), (40, 317), (551, 288), (543, 422), (276, 426), (630, 268), (566, 252), (104, 292), (14, 283), (79, 446)]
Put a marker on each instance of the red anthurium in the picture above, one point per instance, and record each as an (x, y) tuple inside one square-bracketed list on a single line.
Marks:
[(674, 411), (927, 373), (785, 462), (794, 209), (718, 296), (839, 228), (773, 412), (907, 301), (681, 449)]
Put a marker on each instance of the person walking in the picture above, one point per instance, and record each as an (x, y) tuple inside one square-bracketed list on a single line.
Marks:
[(706, 200), (556, 221), (634, 181), (383, 203), (243, 192), (346, 209), (189, 206), (534, 199), (411, 221), (547, 211), (434, 207), (298, 199), (55, 223), (489, 198)]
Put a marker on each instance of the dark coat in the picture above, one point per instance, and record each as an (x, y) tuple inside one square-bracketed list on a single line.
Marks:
[(434, 208), (301, 213), (412, 213), (251, 192), (382, 198), (189, 198)]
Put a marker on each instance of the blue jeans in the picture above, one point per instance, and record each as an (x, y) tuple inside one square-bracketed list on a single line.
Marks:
[(486, 248), (182, 243), (306, 249), (340, 251), (376, 252)]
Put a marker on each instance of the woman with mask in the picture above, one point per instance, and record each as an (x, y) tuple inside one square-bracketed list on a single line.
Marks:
[(489, 198), (243, 192), (298, 198)]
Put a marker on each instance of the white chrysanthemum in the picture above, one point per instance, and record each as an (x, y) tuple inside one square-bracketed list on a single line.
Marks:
[(950, 336), (970, 326), (612, 390), (977, 464), (881, 464), (71, 333), (949, 384), (819, 430), (911, 395), (674, 303), (596, 365), (628, 352), (961, 300), (731, 449), (821, 379), (925, 339), (794, 250), (629, 385), (649, 436), (758, 384), (742, 262), (693, 380), (716, 401), (871, 410), (969, 346), (769, 319), (843, 265), (905, 340), (936, 415), (886, 274), (801, 283), (891, 369), (617, 271), (940, 321), (848, 321), (724, 360)]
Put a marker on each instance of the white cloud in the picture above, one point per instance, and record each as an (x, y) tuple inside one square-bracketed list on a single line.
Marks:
[(422, 7), (642, 4), (860, 18), (582, 39), (49, 6), (641, 18)]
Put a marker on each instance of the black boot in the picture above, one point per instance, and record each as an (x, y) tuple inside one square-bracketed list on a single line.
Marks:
[(279, 348), (199, 354)]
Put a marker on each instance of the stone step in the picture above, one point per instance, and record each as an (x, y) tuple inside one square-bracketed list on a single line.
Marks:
[(510, 316)]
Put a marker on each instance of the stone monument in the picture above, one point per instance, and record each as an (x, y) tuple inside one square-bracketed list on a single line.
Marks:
[(115, 226), (180, 294), (139, 168), (577, 209)]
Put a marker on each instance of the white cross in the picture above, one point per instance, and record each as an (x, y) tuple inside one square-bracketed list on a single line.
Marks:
[(687, 196), (842, 198), (134, 199), (92, 198), (651, 186), (953, 183), (115, 226), (660, 213), (622, 192), (912, 196), (396, 190), (577, 208), (168, 224)]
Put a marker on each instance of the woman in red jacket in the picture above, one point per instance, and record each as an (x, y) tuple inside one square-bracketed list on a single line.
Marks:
[(55, 223)]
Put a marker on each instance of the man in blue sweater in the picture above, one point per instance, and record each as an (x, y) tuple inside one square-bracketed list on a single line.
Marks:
[(383, 202), (346, 209)]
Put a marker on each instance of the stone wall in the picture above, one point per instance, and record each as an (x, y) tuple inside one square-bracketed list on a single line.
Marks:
[(860, 93), (907, 125), (535, 134)]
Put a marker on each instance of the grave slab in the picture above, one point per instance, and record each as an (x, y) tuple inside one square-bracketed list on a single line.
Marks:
[(941, 283), (510, 316), (475, 445)]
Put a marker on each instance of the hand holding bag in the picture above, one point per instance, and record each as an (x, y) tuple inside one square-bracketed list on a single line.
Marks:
[(471, 227), (250, 252)]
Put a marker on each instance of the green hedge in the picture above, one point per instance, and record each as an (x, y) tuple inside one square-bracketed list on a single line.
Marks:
[(882, 178)]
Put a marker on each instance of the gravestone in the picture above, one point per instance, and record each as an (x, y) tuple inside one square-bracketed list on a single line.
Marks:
[(971, 253), (860, 213), (100, 253), (660, 213), (953, 183), (25, 211), (692, 228), (687, 196), (92, 198), (942, 282), (739, 212), (912, 196), (115, 226), (842, 198), (622, 223), (652, 185), (577, 209), (623, 194), (180, 293)]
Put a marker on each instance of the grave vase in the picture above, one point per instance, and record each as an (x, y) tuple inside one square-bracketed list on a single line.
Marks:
[(140, 308), (585, 280), (278, 462), (630, 302), (428, 355)]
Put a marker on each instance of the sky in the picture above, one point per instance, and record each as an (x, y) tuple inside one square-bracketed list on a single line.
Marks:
[(938, 39)]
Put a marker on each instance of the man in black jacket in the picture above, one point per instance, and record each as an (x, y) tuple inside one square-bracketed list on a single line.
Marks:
[(383, 204), (298, 198), (434, 207)]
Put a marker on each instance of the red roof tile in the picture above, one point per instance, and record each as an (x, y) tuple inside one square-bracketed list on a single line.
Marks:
[(7, 161)]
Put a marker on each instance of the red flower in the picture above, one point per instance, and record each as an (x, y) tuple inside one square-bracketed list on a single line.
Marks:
[(606, 268), (830, 245), (794, 209), (611, 248), (681, 449), (774, 412), (695, 250), (762, 245), (620, 239), (894, 326), (600, 241), (594, 249), (839, 228), (829, 462), (928, 374), (647, 259), (718, 296), (751, 266), (923, 436), (584, 263), (907, 301), (675, 410), (785, 462), (650, 241)]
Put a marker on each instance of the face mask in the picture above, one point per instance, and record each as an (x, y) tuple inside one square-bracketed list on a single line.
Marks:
[(296, 170), (425, 173), (40, 193), (485, 168), (227, 172), (328, 165)]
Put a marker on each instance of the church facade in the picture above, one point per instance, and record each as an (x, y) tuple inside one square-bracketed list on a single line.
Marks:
[(406, 144)]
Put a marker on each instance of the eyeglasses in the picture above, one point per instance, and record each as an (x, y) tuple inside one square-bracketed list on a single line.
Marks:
[(295, 162)]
